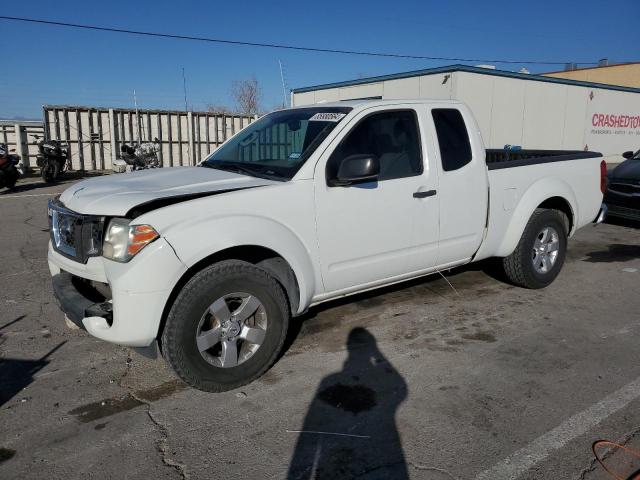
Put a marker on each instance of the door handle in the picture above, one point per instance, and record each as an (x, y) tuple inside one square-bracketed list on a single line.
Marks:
[(424, 194)]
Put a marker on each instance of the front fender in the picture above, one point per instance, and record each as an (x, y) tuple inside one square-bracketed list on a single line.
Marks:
[(538, 192), (221, 233)]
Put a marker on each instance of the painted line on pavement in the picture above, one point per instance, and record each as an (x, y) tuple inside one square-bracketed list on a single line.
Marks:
[(30, 195), (522, 460)]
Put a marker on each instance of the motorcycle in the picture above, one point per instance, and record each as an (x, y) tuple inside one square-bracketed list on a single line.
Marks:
[(10, 167), (52, 158), (138, 156)]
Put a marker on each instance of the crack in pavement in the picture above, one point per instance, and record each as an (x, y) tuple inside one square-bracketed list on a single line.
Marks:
[(608, 452), (129, 362), (162, 443)]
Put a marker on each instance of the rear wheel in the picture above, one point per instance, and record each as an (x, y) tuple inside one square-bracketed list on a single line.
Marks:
[(540, 254), (226, 327)]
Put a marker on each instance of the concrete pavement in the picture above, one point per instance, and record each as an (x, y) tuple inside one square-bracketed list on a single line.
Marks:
[(417, 381)]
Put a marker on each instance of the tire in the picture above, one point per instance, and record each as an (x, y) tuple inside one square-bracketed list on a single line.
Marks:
[(12, 180), (520, 267), (178, 342), (49, 172)]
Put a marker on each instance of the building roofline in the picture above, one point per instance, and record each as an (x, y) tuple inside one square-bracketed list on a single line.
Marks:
[(144, 110), (13, 121), (467, 69), (593, 68)]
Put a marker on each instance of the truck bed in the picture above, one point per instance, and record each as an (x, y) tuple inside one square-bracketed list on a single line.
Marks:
[(514, 192), (500, 158)]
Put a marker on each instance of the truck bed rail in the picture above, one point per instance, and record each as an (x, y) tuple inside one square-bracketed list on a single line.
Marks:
[(501, 158)]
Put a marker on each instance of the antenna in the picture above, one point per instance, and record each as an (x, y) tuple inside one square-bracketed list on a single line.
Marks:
[(285, 103)]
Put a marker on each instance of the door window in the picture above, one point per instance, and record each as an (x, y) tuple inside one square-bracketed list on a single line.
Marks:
[(392, 136), (455, 149)]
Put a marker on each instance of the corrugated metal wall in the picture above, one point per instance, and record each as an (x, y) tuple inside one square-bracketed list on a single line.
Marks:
[(18, 135), (530, 113), (95, 135)]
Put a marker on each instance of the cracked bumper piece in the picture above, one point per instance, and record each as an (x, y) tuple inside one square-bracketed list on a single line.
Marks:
[(76, 305), (139, 291)]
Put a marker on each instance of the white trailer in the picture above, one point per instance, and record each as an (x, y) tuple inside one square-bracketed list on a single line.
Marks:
[(533, 111)]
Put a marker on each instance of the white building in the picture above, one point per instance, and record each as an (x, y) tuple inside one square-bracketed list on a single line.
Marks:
[(532, 111)]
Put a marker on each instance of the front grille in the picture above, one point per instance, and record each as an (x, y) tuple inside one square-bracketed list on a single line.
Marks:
[(74, 235), (625, 212), (624, 188)]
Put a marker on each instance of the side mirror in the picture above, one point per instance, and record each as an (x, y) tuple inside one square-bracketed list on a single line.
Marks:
[(359, 168), (294, 125), (627, 155)]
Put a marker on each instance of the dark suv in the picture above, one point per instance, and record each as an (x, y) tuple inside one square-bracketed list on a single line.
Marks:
[(623, 188)]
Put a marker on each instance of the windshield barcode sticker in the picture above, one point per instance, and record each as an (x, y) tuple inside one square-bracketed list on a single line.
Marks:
[(327, 117)]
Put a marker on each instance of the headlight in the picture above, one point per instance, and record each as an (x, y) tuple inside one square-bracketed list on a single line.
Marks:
[(123, 241)]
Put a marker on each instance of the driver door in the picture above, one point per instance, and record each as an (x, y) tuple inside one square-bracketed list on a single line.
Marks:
[(366, 231)]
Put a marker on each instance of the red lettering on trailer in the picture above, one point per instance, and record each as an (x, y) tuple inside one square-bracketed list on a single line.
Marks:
[(615, 121)]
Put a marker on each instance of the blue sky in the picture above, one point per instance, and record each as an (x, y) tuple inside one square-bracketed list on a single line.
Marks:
[(46, 64)]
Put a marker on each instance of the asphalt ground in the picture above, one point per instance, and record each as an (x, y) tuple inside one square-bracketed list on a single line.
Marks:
[(483, 380)]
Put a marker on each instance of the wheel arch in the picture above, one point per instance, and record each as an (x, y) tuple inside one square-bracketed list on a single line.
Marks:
[(561, 204), (267, 259), (551, 193)]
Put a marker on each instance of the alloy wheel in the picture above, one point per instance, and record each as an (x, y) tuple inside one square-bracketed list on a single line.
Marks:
[(232, 329)]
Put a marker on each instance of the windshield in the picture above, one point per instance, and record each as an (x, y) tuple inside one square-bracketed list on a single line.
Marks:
[(278, 144)]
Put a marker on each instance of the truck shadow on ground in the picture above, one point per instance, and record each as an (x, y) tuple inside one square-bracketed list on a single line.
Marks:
[(614, 253), (350, 430), (476, 279), (16, 374)]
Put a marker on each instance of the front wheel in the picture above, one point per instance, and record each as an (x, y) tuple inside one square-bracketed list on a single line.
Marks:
[(540, 254), (11, 179), (226, 327), (49, 172)]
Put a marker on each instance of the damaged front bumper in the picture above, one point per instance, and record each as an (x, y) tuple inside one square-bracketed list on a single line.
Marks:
[(79, 303), (121, 303)]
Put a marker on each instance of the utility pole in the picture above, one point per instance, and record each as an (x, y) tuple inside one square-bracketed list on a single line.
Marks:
[(189, 116), (184, 88), (135, 103), (285, 103)]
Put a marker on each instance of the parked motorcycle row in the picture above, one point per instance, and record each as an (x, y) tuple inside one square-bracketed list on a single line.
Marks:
[(54, 159)]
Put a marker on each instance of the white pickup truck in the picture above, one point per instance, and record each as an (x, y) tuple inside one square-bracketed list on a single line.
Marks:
[(303, 206)]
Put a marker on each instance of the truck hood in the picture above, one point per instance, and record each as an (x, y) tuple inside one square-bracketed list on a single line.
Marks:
[(627, 170), (115, 195)]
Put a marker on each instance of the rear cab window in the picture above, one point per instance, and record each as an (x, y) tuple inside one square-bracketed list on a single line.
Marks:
[(453, 138)]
